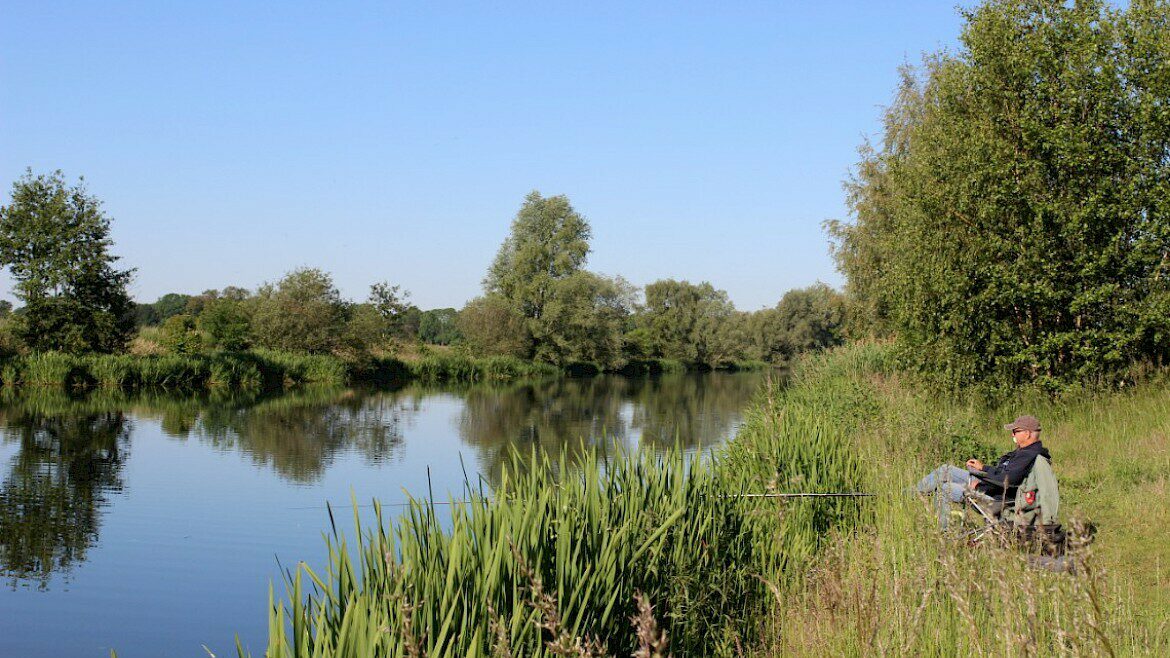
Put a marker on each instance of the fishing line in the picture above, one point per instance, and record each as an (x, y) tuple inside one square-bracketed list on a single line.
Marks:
[(424, 503)]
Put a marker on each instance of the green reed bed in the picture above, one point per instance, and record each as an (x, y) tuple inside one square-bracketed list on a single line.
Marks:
[(461, 368), (246, 370), (552, 562), (555, 560)]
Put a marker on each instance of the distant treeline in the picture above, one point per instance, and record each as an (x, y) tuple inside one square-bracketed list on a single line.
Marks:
[(539, 303)]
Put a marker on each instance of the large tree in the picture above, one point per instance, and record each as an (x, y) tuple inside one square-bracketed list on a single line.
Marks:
[(549, 242), (584, 320), (1014, 222), (492, 325), (55, 240), (805, 320)]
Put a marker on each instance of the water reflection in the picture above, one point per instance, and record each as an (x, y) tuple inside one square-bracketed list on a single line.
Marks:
[(55, 487), (607, 412), (299, 436), (70, 452)]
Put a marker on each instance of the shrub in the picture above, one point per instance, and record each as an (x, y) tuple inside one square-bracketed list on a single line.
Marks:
[(227, 324), (179, 335)]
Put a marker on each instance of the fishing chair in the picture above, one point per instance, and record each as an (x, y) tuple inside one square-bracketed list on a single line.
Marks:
[(1029, 520)]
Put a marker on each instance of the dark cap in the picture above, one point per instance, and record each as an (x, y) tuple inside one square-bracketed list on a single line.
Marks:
[(1026, 423)]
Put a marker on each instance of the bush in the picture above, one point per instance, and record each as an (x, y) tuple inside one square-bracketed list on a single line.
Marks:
[(227, 325), (179, 335), (303, 312)]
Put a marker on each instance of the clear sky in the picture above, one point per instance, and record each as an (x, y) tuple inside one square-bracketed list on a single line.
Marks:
[(233, 141)]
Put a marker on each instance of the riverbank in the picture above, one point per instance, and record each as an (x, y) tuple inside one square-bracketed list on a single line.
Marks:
[(258, 369), (267, 369), (580, 552), (895, 586), (578, 548)]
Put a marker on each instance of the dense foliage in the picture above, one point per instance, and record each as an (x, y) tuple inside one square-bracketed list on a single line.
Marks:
[(303, 312), (55, 241), (439, 326), (1012, 225)]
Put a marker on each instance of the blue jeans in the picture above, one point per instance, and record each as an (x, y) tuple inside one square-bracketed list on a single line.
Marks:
[(948, 481)]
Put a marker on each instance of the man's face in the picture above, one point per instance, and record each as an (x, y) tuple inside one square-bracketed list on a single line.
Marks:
[(1022, 438)]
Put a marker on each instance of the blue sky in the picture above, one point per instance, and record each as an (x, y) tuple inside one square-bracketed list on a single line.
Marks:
[(234, 141)]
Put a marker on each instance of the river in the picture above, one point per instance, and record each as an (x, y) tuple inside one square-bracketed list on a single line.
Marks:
[(154, 525)]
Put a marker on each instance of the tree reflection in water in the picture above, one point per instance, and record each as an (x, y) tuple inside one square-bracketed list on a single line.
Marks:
[(607, 412), (299, 435), (72, 450), (56, 485)]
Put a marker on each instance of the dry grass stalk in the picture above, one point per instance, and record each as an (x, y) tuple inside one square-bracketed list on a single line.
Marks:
[(652, 642), (560, 642), (501, 639)]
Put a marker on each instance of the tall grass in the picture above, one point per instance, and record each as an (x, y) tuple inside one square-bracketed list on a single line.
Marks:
[(570, 547), (897, 586), (434, 584), (448, 366), (557, 561)]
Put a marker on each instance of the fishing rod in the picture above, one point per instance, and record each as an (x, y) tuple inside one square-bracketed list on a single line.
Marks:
[(424, 503)]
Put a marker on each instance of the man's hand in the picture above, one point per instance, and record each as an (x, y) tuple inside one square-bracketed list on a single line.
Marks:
[(975, 464)]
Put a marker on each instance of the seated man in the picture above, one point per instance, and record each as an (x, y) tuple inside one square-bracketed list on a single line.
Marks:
[(1001, 480)]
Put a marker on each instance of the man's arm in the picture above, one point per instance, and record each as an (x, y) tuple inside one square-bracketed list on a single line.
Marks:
[(1011, 473)]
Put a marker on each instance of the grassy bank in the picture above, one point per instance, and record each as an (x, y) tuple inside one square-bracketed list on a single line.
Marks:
[(249, 370), (565, 562), (894, 585), (560, 558)]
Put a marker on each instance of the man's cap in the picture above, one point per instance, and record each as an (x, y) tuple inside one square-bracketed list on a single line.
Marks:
[(1026, 423)]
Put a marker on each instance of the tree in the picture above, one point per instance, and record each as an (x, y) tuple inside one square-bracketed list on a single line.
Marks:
[(548, 242), (584, 320), (365, 328), (1014, 223), (180, 335), (805, 320), (227, 324), (492, 326), (439, 326), (390, 303), (55, 241), (302, 312), (686, 322)]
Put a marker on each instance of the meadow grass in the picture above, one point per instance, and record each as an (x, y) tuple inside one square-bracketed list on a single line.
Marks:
[(895, 585)]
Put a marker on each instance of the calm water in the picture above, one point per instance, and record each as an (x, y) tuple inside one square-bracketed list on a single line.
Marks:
[(154, 525)]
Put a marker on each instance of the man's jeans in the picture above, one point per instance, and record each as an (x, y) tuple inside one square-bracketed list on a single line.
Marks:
[(948, 483)]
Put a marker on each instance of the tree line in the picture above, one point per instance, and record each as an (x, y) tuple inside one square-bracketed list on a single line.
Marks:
[(538, 302)]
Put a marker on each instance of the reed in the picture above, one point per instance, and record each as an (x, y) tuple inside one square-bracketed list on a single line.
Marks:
[(454, 367), (563, 554), (557, 561)]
